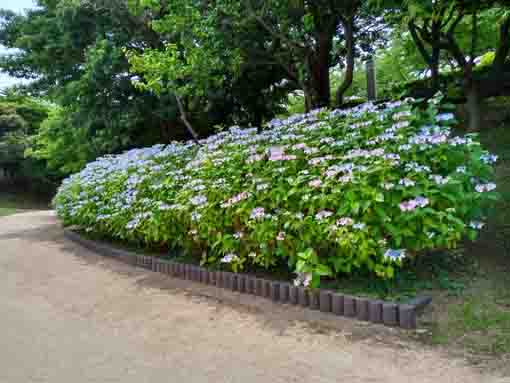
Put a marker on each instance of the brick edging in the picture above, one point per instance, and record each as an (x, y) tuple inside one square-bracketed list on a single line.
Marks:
[(372, 310)]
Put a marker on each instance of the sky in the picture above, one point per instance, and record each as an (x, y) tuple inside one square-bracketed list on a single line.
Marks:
[(16, 6)]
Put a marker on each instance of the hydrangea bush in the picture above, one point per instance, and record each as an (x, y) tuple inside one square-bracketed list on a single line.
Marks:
[(325, 193)]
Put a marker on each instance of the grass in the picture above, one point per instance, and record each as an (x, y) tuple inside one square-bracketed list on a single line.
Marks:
[(7, 211), (438, 271), (478, 319), (480, 324)]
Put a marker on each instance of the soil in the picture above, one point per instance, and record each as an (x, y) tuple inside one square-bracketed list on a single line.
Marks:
[(68, 315)]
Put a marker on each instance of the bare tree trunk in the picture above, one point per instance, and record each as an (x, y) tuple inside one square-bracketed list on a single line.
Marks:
[(419, 36), (371, 80), (348, 25), (320, 70), (185, 119), (473, 108), (472, 89), (435, 57), (434, 69), (308, 100)]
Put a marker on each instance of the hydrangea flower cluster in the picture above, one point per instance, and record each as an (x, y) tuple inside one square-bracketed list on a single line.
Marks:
[(324, 192)]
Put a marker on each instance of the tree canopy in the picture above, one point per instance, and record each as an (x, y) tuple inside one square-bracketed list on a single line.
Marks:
[(120, 74)]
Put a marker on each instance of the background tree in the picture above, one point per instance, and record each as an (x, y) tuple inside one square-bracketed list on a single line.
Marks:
[(298, 42), (312, 37), (456, 33), (21, 117), (75, 54)]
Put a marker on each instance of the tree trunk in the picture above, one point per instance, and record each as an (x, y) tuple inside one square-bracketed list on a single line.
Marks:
[(473, 108), (420, 36), (308, 100), (320, 84), (320, 71), (348, 25), (371, 80), (435, 57), (434, 69), (184, 119)]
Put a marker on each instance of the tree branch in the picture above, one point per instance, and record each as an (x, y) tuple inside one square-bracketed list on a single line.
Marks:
[(185, 119), (503, 47), (450, 44), (449, 17), (419, 43), (474, 37), (271, 31), (454, 25)]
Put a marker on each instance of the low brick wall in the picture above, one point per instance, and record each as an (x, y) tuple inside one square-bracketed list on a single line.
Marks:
[(372, 310)]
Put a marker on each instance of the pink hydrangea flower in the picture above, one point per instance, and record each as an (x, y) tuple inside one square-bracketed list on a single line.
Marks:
[(316, 183)]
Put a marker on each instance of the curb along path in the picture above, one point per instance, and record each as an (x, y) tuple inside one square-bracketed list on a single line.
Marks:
[(373, 310)]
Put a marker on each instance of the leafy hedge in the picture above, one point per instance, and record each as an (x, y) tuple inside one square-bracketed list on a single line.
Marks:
[(324, 193)]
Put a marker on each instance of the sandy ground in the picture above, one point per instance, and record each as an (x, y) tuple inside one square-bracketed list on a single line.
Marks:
[(69, 316)]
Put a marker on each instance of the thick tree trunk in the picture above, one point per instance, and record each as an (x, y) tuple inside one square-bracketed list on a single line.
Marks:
[(320, 70), (435, 56), (321, 87), (434, 70), (473, 108)]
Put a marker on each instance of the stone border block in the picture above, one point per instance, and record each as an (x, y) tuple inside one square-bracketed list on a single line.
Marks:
[(325, 301), (407, 316), (227, 280), (375, 311), (390, 314), (259, 287), (219, 279), (204, 276), (212, 278), (337, 303), (274, 291), (234, 282), (314, 301), (242, 284), (303, 299), (293, 295), (362, 312), (266, 288), (251, 287), (349, 306), (284, 292)]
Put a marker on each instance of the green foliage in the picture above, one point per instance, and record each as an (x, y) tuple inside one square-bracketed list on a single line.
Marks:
[(20, 118), (65, 148), (198, 59), (436, 271), (75, 52), (323, 193)]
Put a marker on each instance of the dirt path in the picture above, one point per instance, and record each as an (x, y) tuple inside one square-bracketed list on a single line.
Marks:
[(69, 316)]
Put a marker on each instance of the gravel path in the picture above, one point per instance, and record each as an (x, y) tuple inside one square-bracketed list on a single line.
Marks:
[(67, 315)]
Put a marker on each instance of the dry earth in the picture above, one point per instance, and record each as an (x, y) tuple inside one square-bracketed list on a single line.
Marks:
[(67, 315)]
